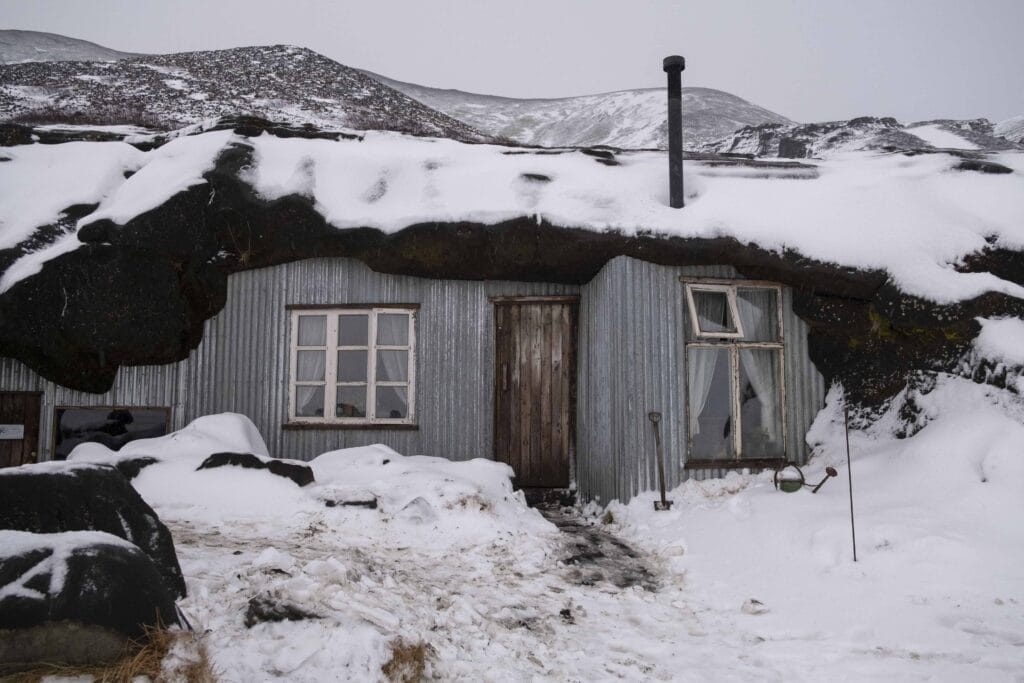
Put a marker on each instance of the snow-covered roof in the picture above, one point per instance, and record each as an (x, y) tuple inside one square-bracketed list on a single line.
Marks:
[(915, 217)]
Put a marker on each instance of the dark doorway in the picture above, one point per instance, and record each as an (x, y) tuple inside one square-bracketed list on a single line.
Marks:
[(535, 388), (19, 428)]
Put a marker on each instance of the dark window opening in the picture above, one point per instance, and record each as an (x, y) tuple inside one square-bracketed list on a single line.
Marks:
[(112, 427)]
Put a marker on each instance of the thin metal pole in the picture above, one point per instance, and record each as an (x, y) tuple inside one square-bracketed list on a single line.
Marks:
[(849, 477)]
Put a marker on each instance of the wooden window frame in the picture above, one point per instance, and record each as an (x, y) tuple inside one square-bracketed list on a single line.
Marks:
[(734, 344), (330, 382)]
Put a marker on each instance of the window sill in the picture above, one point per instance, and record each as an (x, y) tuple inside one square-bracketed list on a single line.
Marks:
[(749, 463), (364, 426)]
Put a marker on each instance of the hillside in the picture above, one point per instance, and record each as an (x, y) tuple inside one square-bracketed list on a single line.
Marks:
[(36, 46), (860, 134), (1011, 129), (630, 119), (166, 91)]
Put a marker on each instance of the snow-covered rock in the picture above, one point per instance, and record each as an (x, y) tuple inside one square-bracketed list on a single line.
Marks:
[(1012, 129)]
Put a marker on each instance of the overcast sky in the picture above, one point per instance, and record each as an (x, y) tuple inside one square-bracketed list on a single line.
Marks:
[(810, 60)]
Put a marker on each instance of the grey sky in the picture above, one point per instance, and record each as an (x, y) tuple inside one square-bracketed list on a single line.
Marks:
[(809, 60)]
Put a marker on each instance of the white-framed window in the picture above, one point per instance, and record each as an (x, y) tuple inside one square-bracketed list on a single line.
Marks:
[(734, 374), (353, 365)]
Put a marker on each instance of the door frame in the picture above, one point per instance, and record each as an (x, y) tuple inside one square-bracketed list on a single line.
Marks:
[(39, 423), (573, 300)]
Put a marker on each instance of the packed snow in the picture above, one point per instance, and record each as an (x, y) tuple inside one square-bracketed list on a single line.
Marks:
[(937, 136), (1001, 340), (915, 217)]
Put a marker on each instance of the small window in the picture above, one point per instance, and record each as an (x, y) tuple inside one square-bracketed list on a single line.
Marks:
[(353, 366), (734, 375), (111, 426)]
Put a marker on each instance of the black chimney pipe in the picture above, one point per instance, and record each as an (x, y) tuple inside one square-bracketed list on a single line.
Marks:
[(674, 66)]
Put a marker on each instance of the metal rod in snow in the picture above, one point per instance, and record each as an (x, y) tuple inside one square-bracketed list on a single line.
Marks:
[(663, 504), (849, 476), (674, 66)]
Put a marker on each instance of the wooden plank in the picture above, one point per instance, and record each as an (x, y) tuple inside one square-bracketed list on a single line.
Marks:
[(500, 406), (571, 321), (32, 418), (546, 453), (523, 396), (536, 332)]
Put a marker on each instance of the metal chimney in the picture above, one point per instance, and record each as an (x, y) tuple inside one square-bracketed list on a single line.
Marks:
[(674, 66)]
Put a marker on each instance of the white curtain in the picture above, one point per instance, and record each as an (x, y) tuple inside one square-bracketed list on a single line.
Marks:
[(392, 329), (392, 365), (712, 311), (758, 313), (761, 369), (310, 366), (699, 375), (312, 330)]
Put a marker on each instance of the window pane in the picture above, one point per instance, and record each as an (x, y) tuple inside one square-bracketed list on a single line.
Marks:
[(711, 424), (713, 314), (351, 402), (312, 330), (353, 330), (759, 313), (392, 366), (309, 366), (352, 366), (309, 401), (760, 404), (392, 402), (393, 329), (112, 427)]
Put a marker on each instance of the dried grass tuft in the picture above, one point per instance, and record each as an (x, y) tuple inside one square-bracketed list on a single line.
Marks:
[(408, 662), (143, 657)]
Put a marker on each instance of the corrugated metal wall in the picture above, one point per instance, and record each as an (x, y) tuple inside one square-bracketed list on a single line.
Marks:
[(631, 361), (241, 365), (632, 348)]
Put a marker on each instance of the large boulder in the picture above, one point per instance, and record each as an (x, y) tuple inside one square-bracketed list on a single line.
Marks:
[(55, 497), (75, 597)]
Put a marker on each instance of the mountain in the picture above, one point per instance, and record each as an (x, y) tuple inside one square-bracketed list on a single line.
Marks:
[(633, 119), (36, 46), (1011, 129), (863, 133), (278, 82)]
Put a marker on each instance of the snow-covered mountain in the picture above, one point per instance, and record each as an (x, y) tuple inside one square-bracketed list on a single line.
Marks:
[(36, 46), (863, 133), (278, 82), (631, 119), (1011, 129)]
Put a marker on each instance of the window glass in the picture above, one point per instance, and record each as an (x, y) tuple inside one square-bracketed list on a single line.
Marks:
[(393, 329), (392, 366), (309, 401), (759, 313), (312, 330), (352, 366), (310, 366), (714, 315), (112, 427), (353, 329), (760, 403), (710, 405), (392, 402), (351, 402)]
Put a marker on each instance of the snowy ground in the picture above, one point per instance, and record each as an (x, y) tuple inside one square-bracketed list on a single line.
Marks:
[(737, 582)]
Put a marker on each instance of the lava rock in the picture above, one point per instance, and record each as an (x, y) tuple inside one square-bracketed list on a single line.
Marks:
[(81, 577), (301, 474), (130, 467), (55, 497)]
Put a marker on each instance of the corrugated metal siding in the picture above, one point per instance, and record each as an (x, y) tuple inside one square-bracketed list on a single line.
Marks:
[(632, 361), (242, 364)]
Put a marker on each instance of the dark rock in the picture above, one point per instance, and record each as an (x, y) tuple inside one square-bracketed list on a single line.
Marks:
[(44, 499), (982, 166), (131, 467), (535, 177), (792, 149), (111, 585), (265, 608), (299, 473)]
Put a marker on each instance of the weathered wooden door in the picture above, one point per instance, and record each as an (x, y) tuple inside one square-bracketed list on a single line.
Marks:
[(19, 428), (535, 389)]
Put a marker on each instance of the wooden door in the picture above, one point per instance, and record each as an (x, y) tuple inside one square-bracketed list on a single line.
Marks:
[(535, 389), (19, 428)]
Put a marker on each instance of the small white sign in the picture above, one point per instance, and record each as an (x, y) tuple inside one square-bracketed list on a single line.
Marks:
[(12, 432)]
